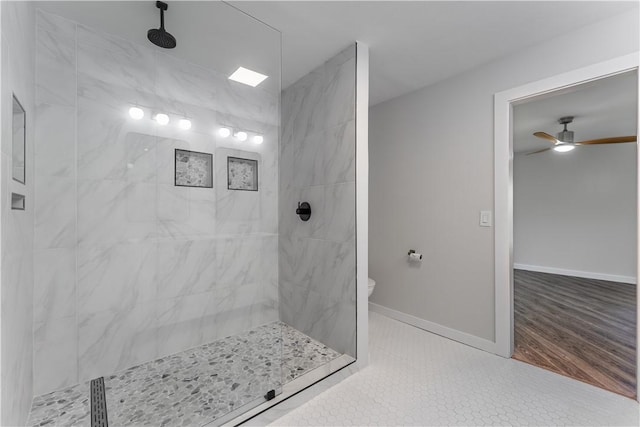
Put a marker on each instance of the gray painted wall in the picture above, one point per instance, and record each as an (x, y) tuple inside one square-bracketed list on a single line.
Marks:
[(431, 172), (577, 211), (317, 165), (16, 242)]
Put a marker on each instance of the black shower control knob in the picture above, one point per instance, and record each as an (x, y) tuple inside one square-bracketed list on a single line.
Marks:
[(304, 211)]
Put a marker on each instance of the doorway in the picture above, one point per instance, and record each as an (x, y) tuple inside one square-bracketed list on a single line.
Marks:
[(574, 232), (541, 289)]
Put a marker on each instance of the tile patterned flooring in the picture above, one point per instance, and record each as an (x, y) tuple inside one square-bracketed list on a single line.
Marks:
[(194, 387), (418, 378), (67, 407)]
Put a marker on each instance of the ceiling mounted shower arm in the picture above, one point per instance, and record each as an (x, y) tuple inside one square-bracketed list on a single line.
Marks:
[(162, 6)]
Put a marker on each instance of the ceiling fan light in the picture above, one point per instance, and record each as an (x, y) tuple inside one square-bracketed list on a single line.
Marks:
[(563, 148)]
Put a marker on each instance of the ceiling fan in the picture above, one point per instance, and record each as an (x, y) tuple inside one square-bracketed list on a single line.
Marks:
[(564, 141)]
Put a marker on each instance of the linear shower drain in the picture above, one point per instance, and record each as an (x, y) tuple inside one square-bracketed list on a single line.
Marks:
[(98, 404)]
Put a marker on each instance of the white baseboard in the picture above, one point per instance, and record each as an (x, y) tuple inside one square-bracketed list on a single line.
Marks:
[(462, 337), (575, 273)]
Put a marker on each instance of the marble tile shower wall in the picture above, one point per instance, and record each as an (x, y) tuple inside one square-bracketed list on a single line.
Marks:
[(317, 160), (128, 266), (16, 229)]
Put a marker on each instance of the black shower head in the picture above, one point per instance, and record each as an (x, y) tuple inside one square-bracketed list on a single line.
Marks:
[(159, 36)]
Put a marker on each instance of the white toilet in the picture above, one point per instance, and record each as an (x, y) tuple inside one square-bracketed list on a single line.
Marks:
[(372, 284)]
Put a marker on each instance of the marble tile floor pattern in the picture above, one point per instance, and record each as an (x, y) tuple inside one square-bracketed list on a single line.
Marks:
[(418, 378), (194, 387)]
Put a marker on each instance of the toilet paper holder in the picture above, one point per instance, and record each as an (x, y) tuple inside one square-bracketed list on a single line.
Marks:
[(414, 256)]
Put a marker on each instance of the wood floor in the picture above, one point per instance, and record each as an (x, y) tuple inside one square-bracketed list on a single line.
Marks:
[(581, 328)]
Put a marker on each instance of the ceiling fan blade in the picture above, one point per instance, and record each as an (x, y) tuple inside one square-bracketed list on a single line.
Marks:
[(545, 135), (539, 151), (614, 140)]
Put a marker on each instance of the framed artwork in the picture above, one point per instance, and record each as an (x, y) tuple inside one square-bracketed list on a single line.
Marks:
[(193, 169), (242, 174)]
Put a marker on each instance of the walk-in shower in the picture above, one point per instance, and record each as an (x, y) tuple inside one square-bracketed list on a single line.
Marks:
[(169, 262)]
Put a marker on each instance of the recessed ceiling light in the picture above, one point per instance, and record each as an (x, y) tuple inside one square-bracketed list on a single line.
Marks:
[(258, 139), (247, 77), (224, 132)]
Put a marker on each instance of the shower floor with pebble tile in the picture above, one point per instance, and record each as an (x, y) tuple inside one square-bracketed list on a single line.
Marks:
[(194, 387)]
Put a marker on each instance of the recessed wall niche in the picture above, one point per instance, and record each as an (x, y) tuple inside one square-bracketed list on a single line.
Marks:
[(17, 202), (18, 142), (242, 174), (193, 169)]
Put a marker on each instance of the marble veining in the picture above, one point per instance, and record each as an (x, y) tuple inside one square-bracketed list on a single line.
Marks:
[(55, 140), (55, 350), (317, 163), (55, 24), (145, 268), (54, 284), (17, 39), (114, 277), (193, 387), (55, 61), (115, 60), (55, 213), (112, 340)]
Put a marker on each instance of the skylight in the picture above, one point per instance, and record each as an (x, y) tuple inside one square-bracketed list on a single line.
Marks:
[(248, 77)]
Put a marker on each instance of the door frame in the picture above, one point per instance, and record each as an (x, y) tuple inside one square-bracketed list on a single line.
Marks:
[(503, 186)]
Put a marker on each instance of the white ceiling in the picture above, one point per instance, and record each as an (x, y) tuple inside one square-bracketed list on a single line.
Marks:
[(412, 44), (601, 109)]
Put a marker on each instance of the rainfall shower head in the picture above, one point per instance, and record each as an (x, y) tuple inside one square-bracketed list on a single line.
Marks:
[(159, 36)]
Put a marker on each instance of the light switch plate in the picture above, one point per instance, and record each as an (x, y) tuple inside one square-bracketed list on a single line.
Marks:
[(485, 219)]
